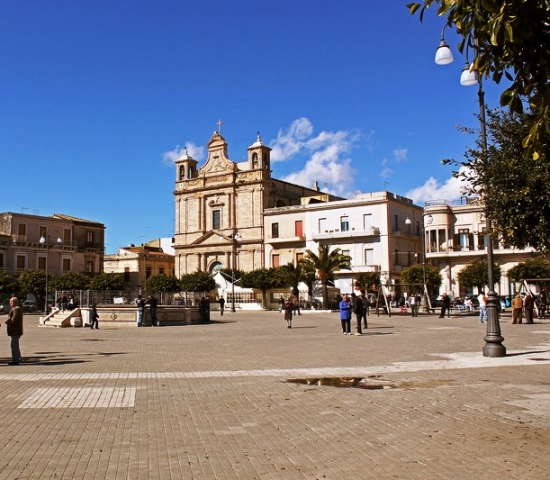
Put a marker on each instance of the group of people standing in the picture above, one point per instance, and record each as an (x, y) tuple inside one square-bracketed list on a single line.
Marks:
[(141, 303), (527, 305), (359, 306)]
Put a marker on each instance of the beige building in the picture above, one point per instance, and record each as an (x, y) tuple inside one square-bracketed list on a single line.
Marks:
[(455, 235), (59, 244), (220, 207), (139, 263)]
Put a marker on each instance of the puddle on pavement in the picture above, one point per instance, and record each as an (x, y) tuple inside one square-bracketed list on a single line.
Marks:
[(369, 383), (426, 383)]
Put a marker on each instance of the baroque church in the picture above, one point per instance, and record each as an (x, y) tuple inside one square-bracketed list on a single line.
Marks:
[(220, 205)]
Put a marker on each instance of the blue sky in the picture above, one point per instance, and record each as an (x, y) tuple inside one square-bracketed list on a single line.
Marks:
[(98, 97)]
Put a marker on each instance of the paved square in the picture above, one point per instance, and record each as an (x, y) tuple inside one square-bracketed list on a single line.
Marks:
[(247, 398)]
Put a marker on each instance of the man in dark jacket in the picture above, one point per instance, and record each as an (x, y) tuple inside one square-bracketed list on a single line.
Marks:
[(357, 309), (445, 306), (365, 303), (529, 305), (15, 330)]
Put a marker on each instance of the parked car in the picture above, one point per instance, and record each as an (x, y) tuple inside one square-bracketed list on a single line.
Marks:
[(29, 305)]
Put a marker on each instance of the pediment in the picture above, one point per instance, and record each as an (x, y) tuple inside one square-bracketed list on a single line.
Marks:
[(217, 161), (211, 238)]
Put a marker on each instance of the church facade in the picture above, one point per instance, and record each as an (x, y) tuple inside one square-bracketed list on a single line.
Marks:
[(220, 208)]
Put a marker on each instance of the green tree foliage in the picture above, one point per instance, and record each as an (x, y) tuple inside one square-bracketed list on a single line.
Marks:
[(162, 283), (197, 282), (309, 277), (530, 269), (8, 284), (367, 281), (232, 273), (107, 282), (69, 281), (291, 275), (516, 190), (32, 281), (261, 279), (512, 39), (326, 263), (474, 274), (415, 275)]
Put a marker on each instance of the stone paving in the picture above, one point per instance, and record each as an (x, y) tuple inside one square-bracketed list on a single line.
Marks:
[(215, 401)]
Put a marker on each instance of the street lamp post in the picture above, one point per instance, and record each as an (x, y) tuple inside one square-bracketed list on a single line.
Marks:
[(493, 339), (429, 221), (235, 238), (44, 241)]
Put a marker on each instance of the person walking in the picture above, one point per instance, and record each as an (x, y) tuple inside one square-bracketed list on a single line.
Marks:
[(482, 299), (445, 306), (357, 308), (281, 304), (94, 317), (517, 308), (414, 305), (345, 315), (288, 307), (529, 305), (15, 330), (365, 303), (221, 301), (296, 302)]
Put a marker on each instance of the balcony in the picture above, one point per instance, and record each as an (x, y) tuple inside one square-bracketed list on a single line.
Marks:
[(353, 233), (286, 240)]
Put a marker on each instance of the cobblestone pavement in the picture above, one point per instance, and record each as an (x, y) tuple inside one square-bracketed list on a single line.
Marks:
[(215, 401)]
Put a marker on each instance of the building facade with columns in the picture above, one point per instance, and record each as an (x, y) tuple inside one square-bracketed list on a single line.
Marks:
[(220, 208), (455, 235)]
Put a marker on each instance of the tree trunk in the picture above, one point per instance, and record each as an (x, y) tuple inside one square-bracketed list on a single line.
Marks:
[(325, 293)]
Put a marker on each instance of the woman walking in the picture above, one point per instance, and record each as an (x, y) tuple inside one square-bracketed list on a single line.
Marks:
[(288, 307)]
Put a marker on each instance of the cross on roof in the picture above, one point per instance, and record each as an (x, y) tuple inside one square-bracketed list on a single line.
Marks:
[(219, 123)]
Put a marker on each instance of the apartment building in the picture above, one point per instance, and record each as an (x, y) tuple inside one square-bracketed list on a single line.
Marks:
[(455, 235), (58, 243), (380, 231)]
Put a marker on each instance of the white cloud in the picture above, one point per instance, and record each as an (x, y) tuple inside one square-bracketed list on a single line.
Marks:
[(327, 160), (386, 172), (291, 141), (400, 154), (450, 189), (193, 151)]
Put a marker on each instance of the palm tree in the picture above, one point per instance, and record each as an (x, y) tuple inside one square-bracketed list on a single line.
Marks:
[(291, 275), (325, 264)]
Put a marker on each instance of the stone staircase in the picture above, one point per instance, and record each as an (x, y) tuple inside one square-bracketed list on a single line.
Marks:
[(58, 318)]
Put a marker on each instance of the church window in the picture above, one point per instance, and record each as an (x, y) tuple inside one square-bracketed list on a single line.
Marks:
[(274, 230), (182, 173), (216, 219), (190, 173), (254, 160), (266, 161)]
